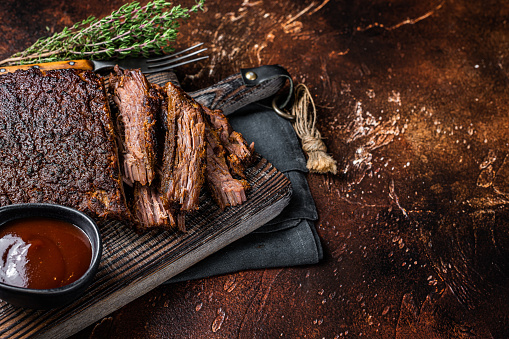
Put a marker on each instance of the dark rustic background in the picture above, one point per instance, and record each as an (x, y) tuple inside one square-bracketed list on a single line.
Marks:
[(413, 103)]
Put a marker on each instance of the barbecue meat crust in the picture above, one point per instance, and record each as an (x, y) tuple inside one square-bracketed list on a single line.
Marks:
[(57, 142)]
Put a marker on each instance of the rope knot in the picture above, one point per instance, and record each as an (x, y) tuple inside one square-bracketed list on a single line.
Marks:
[(318, 159), (312, 144)]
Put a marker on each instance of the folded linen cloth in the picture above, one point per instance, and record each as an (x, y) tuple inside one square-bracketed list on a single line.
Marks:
[(290, 239)]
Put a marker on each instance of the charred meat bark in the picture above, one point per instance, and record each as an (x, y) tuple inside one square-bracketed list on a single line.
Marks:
[(184, 162), (138, 105), (57, 142)]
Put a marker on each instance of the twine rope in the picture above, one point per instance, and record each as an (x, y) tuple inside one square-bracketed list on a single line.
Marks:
[(304, 110)]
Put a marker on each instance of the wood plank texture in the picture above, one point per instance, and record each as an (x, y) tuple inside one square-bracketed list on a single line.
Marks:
[(133, 264)]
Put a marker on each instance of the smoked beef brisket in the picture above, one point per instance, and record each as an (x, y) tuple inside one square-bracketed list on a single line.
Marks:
[(138, 105), (149, 209), (239, 154), (226, 190), (184, 157), (57, 142)]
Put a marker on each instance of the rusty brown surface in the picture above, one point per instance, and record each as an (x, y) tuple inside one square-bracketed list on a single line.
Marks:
[(413, 103)]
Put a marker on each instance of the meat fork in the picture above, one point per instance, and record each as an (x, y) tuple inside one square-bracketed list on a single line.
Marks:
[(147, 65)]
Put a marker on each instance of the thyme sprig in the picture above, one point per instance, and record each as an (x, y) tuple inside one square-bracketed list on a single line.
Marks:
[(132, 30)]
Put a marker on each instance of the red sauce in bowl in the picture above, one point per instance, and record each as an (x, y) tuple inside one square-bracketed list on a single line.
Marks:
[(42, 253)]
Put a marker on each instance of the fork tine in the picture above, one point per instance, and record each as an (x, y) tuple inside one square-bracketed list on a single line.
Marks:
[(164, 57), (167, 66), (174, 60)]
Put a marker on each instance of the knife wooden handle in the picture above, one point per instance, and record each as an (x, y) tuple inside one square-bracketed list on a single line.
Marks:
[(78, 64)]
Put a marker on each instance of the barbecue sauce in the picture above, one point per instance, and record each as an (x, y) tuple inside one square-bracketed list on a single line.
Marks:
[(42, 253)]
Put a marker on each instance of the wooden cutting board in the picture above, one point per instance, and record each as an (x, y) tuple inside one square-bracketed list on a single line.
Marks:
[(132, 264)]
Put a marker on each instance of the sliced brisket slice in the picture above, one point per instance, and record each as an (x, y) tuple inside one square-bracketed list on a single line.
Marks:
[(138, 105), (239, 153), (57, 142), (149, 209), (184, 156), (225, 190)]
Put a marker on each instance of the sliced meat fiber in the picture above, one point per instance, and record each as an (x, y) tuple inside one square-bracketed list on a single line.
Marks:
[(239, 153), (184, 157), (149, 209), (225, 190), (138, 104)]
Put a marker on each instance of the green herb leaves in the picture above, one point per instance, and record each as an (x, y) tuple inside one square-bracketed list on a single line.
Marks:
[(132, 30)]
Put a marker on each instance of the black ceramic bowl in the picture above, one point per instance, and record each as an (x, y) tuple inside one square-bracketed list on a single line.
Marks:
[(51, 298)]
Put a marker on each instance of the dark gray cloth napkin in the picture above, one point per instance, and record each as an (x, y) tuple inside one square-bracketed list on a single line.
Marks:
[(290, 239)]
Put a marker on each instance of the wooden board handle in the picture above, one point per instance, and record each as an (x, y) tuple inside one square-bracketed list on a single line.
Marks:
[(78, 64), (236, 92)]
